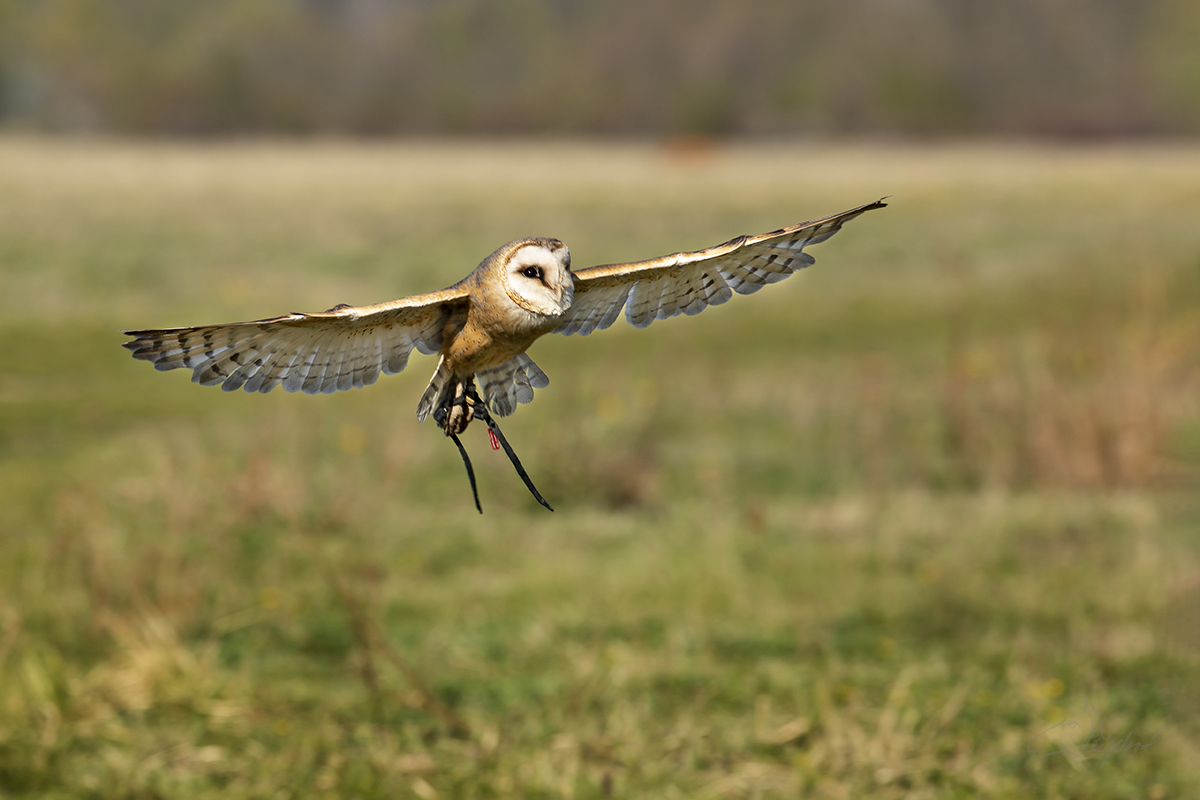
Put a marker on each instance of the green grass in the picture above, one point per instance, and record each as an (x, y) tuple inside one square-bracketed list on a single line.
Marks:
[(866, 533)]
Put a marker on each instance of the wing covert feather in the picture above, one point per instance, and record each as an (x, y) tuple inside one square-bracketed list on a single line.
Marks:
[(688, 283), (343, 348)]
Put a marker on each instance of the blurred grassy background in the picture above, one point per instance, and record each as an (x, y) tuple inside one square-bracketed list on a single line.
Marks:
[(868, 532), (1073, 68)]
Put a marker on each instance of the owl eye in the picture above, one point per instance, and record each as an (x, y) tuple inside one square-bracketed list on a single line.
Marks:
[(532, 272)]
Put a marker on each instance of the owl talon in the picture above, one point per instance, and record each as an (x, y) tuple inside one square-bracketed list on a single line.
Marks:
[(466, 404), (456, 410)]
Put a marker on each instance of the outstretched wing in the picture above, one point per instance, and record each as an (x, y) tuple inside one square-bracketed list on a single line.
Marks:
[(342, 348), (688, 283)]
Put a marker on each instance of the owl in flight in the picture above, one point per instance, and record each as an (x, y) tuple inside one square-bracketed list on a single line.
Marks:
[(481, 326)]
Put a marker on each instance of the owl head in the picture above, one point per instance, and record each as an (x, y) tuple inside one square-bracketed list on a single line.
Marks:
[(536, 275)]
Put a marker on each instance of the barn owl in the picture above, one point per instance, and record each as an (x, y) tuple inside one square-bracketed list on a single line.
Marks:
[(481, 326)]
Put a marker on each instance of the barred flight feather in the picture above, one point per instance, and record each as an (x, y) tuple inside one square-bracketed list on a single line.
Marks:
[(688, 283), (336, 350)]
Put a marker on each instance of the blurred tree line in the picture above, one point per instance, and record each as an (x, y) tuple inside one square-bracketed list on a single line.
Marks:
[(664, 67)]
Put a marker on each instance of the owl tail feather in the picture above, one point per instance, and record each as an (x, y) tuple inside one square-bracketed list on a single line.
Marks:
[(512, 382), (502, 386), (433, 391)]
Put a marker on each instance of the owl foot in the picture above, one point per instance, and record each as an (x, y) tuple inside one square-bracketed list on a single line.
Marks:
[(456, 407), (461, 406)]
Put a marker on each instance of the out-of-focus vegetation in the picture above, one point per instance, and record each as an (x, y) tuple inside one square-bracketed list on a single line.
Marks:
[(869, 532), (1070, 67)]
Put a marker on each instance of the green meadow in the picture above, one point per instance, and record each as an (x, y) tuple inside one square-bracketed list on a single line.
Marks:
[(919, 522)]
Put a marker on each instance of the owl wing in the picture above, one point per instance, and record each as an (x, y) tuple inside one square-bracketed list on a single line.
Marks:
[(688, 283), (342, 348)]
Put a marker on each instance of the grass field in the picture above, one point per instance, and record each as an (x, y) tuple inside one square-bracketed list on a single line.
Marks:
[(869, 533)]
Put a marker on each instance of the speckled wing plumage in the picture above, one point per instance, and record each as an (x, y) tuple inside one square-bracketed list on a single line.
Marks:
[(339, 349), (688, 283)]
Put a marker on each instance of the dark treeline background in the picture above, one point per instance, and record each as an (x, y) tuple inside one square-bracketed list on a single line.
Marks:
[(660, 67)]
